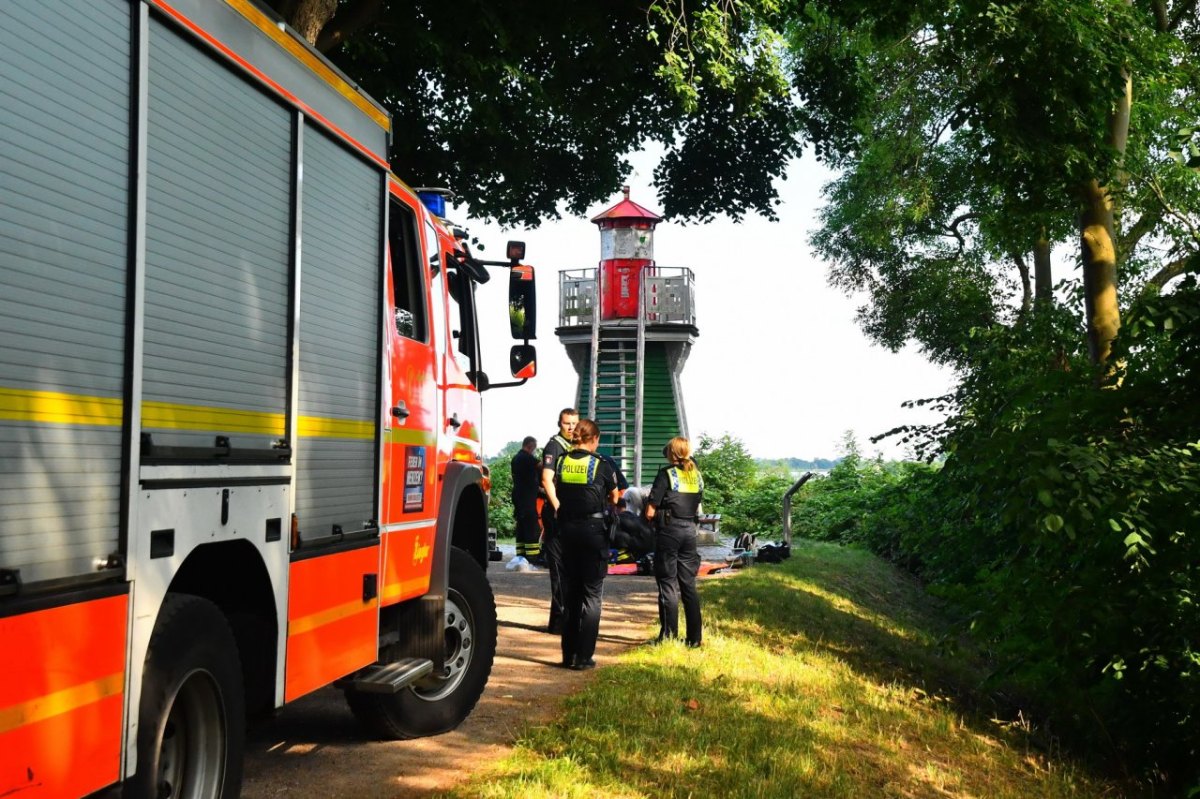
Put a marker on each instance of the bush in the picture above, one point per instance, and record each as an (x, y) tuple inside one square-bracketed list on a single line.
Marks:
[(1065, 521), (500, 507)]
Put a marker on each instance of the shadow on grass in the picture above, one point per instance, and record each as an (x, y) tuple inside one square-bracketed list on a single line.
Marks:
[(870, 703), (688, 735), (871, 616)]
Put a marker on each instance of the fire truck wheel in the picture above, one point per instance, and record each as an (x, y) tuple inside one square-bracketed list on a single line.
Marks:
[(440, 702), (191, 724)]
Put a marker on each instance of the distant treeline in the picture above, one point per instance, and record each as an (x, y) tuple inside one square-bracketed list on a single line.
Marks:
[(798, 464)]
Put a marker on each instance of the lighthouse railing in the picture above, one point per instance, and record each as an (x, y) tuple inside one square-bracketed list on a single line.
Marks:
[(670, 296), (576, 297)]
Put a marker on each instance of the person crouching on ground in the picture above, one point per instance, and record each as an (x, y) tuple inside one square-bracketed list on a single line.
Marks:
[(672, 506), (583, 486)]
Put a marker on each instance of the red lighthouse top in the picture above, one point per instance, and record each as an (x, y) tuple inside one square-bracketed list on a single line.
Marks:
[(626, 213)]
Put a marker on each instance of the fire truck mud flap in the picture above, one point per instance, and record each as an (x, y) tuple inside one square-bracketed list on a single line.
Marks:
[(442, 700), (191, 725)]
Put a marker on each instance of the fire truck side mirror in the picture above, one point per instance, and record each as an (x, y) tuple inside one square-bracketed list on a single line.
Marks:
[(522, 303), (522, 360)]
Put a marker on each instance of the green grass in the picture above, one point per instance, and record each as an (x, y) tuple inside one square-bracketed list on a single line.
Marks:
[(830, 675)]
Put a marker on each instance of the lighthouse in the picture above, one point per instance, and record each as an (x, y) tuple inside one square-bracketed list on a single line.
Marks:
[(628, 326)]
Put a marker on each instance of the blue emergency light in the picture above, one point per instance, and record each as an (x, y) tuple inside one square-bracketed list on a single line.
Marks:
[(434, 200)]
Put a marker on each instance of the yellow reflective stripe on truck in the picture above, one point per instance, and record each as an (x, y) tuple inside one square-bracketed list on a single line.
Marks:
[(171, 416), (54, 407), (60, 702), (305, 56), (317, 427)]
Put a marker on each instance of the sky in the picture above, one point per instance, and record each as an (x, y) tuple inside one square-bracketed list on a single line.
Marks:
[(779, 362)]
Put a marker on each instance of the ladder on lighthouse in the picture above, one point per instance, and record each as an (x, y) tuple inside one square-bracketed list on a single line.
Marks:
[(630, 393)]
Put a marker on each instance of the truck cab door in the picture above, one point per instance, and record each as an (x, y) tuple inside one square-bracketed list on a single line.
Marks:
[(410, 413)]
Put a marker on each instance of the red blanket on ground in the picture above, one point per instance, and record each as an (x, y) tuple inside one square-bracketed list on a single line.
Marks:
[(706, 567)]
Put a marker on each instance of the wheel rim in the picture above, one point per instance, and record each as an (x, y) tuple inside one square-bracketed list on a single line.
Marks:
[(191, 759), (459, 634)]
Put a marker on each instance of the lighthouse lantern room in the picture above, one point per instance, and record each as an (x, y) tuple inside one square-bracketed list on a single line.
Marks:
[(628, 326)]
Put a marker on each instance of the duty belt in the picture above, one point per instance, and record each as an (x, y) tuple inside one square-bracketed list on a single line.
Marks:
[(596, 515)]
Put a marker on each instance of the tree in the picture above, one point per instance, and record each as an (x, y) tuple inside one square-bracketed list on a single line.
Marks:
[(727, 467), (500, 507), (525, 111), (974, 135)]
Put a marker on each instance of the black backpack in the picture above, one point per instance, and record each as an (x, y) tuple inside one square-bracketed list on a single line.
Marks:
[(773, 553)]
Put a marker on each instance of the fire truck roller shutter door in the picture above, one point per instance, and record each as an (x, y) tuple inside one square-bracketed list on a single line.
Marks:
[(64, 243), (340, 311), (216, 287)]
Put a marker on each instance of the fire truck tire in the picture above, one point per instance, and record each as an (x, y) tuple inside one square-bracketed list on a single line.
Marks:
[(191, 723), (439, 703)]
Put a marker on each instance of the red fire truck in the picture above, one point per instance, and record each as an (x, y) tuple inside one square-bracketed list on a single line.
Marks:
[(239, 403)]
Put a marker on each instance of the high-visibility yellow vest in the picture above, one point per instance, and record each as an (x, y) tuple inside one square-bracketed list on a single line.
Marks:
[(576, 469), (685, 482)]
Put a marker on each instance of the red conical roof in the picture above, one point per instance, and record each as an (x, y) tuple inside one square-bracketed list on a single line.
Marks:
[(626, 209)]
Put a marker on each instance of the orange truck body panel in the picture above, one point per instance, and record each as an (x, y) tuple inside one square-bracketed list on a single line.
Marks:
[(62, 694), (332, 629)]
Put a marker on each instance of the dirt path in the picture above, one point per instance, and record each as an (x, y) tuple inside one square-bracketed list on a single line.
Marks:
[(313, 747)]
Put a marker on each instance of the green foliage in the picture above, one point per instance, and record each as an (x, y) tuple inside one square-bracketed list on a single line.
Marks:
[(748, 497), (500, 507), (838, 506), (1064, 521), (758, 507), (966, 130), (727, 468), (526, 113)]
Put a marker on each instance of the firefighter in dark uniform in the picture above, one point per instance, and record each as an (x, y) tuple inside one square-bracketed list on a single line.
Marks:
[(557, 446), (584, 487), (526, 483), (672, 506)]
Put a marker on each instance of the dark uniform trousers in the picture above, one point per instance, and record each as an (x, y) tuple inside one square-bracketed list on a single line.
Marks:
[(585, 561), (676, 562), (529, 544), (552, 551)]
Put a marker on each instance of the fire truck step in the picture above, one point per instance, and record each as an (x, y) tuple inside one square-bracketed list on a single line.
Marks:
[(389, 678)]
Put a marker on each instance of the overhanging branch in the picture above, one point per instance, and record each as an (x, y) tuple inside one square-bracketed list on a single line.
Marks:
[(1162, 277), (952, 228), (1145, 223), (1184, 10), (1026, 290)]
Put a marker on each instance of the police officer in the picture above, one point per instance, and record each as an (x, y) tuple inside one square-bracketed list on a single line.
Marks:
[(583, 487), (557, 446), (673, 505)]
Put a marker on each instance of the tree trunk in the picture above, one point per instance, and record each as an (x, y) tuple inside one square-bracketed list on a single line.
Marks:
[(1098, 243), (308, 17), (1042, 285), (1099, 254)]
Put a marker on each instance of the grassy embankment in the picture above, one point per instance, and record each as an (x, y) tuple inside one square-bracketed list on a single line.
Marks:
[(831, 675)]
